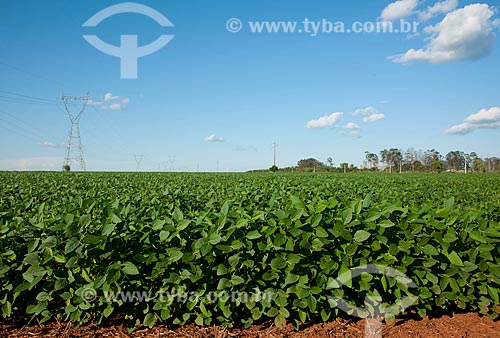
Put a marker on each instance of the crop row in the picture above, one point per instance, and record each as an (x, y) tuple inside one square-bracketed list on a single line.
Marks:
[(68, 241)]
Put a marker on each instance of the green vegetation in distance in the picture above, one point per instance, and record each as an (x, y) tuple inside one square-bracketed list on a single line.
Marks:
[(68, 239), (398, 160)]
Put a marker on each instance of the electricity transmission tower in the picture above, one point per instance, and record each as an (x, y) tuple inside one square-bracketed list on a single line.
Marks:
[(138, 160), (74, 150), (171, 159)]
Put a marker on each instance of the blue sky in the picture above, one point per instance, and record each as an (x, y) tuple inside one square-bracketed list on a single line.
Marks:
[(213, 97)]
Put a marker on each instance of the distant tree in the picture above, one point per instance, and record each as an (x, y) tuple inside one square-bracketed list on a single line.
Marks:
[(274, 168), (329, 161), (372, 158), (66, 168), (397, 158), (430, 156), (438, 166), (492, 163), (455, 160), (310, 163), (418, 166), (385, 156), (391, 157), (478, 166), (410, 158)]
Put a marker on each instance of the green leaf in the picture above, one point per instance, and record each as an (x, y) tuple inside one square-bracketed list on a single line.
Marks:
[(449, 237), (107, 229), (361, 236), (225, 208), (164, 235), (297, 203), (71, 245), (237, 280), (37, 309), (150, 320), (449, 203), (108, 311), (158, 224), (291, 278), (278, 263), (321, 233), (386, 223), (347, 216), (454, 259), (254, 234), (129, 268), (42, 296), (115, 219), (174, 254), (430, 250), (273, 312), (183, 224), (280, 321), (177, 215)]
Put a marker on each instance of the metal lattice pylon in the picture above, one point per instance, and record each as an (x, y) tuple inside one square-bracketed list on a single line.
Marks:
[(74, 150), (138, 160)]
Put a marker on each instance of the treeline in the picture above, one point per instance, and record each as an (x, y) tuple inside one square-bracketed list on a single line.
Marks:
[(409, 160), (429, 161)]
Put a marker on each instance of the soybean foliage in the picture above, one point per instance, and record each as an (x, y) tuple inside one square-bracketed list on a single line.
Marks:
[(69, 240)]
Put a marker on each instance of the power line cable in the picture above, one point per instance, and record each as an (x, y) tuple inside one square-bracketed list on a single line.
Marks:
[(27, 96)]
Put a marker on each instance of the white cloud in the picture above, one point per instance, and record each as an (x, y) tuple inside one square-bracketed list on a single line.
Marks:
[(324, 121), (213, 138), (464, 34), (110, 97), (353, 130), (373, 118), (485, 116), (364, 111), (110, 102), (352, 125), (399, 10), (48, 144), (444, 6), (484, 119), (115, 106)]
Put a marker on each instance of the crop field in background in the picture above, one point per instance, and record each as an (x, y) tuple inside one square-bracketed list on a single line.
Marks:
[(69, 240)]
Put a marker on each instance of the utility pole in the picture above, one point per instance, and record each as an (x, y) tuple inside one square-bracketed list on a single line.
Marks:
[(74, 149), (138, 160), (274, 162)]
